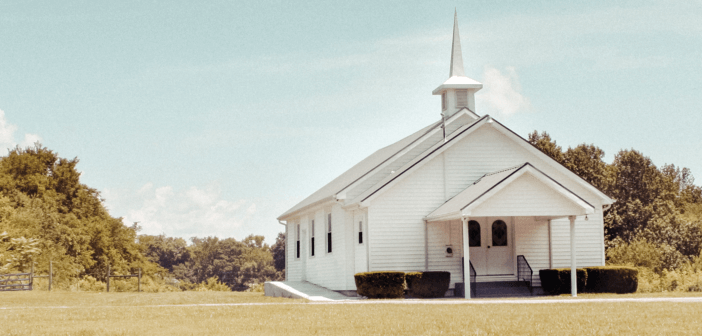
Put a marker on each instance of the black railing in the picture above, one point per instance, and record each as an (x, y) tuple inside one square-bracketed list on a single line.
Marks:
[(473, 276), (524, 272)]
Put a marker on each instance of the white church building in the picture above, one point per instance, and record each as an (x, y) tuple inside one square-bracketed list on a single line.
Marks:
[(463, 193)]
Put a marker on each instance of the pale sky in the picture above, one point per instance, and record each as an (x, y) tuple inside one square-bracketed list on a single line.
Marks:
[(211, 118)]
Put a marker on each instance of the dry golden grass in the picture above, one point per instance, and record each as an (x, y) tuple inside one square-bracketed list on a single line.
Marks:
[(133, 314)]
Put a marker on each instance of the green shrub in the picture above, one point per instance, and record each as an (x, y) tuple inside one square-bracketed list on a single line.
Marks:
[(89, 284), (212, 285), (428, 284), (380, 285), (611, 279), (557, 280)]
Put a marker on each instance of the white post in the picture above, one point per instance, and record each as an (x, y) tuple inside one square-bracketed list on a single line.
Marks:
[(573, 274), (466, 259)]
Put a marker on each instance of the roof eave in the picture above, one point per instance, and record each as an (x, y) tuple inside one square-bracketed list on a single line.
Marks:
[(291, 214)]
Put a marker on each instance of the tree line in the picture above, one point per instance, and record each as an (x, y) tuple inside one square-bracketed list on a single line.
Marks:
[(47, 214), (656, 219)]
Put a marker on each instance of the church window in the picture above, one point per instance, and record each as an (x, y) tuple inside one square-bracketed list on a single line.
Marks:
[(360, 232), (462, 98), (312, 238), (329, 233), (473, 233), (297, 246), (499, 233)]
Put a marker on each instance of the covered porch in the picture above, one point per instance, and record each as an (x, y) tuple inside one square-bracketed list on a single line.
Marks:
[(501, 228)]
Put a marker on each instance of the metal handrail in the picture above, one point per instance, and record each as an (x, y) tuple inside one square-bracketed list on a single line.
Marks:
[(473, 277), (524, 272)]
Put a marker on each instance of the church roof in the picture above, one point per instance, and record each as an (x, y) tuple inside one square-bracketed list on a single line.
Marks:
[(489, 184), (362, 168)]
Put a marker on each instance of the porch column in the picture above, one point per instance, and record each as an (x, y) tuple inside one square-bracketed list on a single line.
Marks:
[(573, 273), (466, 259)]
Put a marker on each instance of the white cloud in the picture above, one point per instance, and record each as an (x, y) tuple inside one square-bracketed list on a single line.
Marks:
[(181, 213), (7, 132), (7, 135), (501, 95), (29, 140)]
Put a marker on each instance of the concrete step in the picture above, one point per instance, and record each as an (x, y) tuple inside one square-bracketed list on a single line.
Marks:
[(302, 290), (502, 289)]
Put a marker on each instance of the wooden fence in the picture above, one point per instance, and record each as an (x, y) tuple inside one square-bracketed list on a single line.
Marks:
[(16, 282), (23, 281), (138, 275)]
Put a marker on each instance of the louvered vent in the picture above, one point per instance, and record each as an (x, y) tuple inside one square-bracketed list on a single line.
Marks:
[(461, 98), (443, 101)]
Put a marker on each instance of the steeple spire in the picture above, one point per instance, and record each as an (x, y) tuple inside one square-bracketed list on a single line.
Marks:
[(456, 54), (457, 92)]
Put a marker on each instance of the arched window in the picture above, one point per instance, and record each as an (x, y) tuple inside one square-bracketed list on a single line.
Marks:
[(499, 233), (473, 233)]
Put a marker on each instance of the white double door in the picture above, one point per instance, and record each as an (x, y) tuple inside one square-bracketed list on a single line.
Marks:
[(491, 245)]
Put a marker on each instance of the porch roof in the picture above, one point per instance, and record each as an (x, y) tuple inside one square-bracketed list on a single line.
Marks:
[(523, 190)]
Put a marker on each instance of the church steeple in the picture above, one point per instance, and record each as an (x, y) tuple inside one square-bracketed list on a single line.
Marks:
[(456, 54), (458, 92)]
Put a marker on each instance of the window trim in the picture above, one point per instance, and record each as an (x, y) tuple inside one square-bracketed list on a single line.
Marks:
[(329, 233), (360, 232), (312, 238), (297, 252)]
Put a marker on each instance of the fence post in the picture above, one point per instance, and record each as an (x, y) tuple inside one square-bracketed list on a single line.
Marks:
[(31, 275), (108, 278), (139, 282), (51, 272)]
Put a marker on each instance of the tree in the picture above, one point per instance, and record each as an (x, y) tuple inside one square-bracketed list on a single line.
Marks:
[(548, 146), (66, 218), (278, 250), (165, 251), (586, 161)]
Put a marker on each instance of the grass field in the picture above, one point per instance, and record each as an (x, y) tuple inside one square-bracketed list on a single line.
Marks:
[(66, 313)]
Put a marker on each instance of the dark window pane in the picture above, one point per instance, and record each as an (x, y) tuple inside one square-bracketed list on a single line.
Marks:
[(473, 233), (329, 242), (499, 233)]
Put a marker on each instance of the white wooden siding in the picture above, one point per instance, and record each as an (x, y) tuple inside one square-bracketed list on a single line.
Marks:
[(329, 270), (439, 235), (361, 256), (589, 241), (348, 249), (293, 271), (486, 150), (409, 156), (396, 224), (532, 242), (526, 196)]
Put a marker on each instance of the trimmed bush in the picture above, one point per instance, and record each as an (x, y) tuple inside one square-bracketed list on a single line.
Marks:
[(428, 284), (380, 285), (612, 279), (557, 280)]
